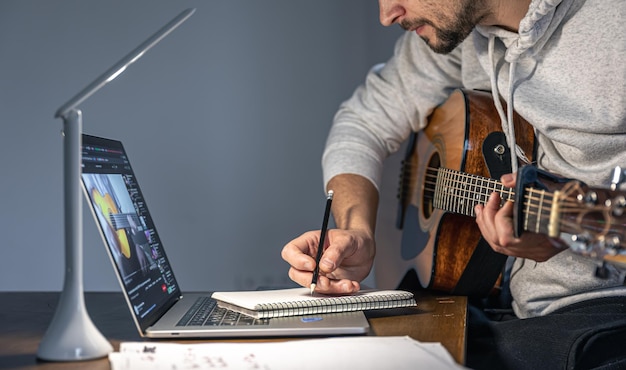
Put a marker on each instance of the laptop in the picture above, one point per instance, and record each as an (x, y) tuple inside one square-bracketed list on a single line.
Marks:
[(157, 304)]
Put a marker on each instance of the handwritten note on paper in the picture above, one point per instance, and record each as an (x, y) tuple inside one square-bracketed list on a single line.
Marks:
[(340, 352)]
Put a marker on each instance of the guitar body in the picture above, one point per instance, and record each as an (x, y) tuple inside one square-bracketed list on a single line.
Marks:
[(463, 134), (109, 210)]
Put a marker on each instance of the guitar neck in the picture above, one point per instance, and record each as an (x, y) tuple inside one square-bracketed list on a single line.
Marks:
[(542, 211), (596, 217), (120, 220), (459, 192)]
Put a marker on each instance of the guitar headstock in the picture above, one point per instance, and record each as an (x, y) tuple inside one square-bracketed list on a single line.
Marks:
[(594, 219)]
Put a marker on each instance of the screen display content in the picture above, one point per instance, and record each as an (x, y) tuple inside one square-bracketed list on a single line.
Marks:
[(126, 225)]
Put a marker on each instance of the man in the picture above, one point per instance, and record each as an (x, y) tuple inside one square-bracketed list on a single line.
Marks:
[(557, 63)]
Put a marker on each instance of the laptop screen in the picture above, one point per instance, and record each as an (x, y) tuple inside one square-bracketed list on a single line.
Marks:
[(127, 228)]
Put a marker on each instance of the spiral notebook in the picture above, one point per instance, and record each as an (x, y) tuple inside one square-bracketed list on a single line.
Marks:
[(263, 304)]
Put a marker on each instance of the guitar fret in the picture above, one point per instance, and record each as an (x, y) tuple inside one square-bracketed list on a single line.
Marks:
[(505, 196), (480, 198), (453, 180), (452, 204), (472, 199), (477, 199), (451, 192), (448, 191), (438, 187), (488, 189), (437, 193), (442, 190), (469, 206), (481, 193), (445, 189), (461, 195), (466, 195), (443, 195)]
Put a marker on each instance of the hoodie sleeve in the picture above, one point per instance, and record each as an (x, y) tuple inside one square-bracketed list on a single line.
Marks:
[(396, 99)]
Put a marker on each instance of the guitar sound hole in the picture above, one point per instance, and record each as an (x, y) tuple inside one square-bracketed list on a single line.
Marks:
[(430, 181)]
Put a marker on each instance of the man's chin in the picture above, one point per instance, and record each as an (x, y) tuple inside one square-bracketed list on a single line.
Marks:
[(434, 46), (440, 48)]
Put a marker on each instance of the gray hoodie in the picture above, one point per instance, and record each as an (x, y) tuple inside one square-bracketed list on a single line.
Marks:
[(564, 72)]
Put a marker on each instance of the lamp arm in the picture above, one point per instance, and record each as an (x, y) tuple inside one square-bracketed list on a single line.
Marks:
[(120, 66)]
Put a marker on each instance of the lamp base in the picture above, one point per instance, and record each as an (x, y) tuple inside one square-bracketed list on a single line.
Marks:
[(72, 336)]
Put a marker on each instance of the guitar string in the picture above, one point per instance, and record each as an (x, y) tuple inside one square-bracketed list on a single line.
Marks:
[(566, 205), (580, 224), (533, 204), (503, 191), (569, 207), (541, 212)]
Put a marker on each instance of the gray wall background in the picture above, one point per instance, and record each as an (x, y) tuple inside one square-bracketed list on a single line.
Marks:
[(224, 120)]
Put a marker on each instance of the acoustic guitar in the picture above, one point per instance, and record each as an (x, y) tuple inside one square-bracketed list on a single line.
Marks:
[(453, 165)]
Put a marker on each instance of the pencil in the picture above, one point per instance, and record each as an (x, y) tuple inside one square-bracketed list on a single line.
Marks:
[(316, 271)]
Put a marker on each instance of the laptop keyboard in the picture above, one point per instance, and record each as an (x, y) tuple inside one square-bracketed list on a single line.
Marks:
[(206, 312)]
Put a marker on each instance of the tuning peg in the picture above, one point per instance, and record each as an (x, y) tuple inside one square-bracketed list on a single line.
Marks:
[(618, 177), (612, 243), (617, 205), (581, 243), (590, 198), (609, 245)]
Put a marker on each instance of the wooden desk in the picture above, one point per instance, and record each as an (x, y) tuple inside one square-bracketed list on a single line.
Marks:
[(24, 318)]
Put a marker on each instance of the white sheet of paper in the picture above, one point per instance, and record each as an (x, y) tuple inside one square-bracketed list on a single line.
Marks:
[(329, 353)]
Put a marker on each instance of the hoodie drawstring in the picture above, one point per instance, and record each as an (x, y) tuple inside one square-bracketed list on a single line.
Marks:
[(506, 121)]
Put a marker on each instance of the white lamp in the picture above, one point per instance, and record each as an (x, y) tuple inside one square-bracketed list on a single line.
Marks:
[(72, 336)]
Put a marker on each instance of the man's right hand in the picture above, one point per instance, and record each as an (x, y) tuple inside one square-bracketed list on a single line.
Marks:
[(347, 259), (349, 249)]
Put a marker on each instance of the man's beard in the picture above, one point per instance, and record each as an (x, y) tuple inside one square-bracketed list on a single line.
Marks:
[(448, 38)]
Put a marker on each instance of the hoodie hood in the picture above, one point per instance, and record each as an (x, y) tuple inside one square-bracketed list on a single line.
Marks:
[(535, 29), (542, 19)]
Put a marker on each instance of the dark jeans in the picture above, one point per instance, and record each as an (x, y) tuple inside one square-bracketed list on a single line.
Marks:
[(587, 335)]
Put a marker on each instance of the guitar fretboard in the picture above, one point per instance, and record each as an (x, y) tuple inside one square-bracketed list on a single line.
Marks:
[(460, 192), (543, 212), (120, 220)]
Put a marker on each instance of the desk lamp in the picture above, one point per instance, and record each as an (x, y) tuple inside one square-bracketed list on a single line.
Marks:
[(72, 336)]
